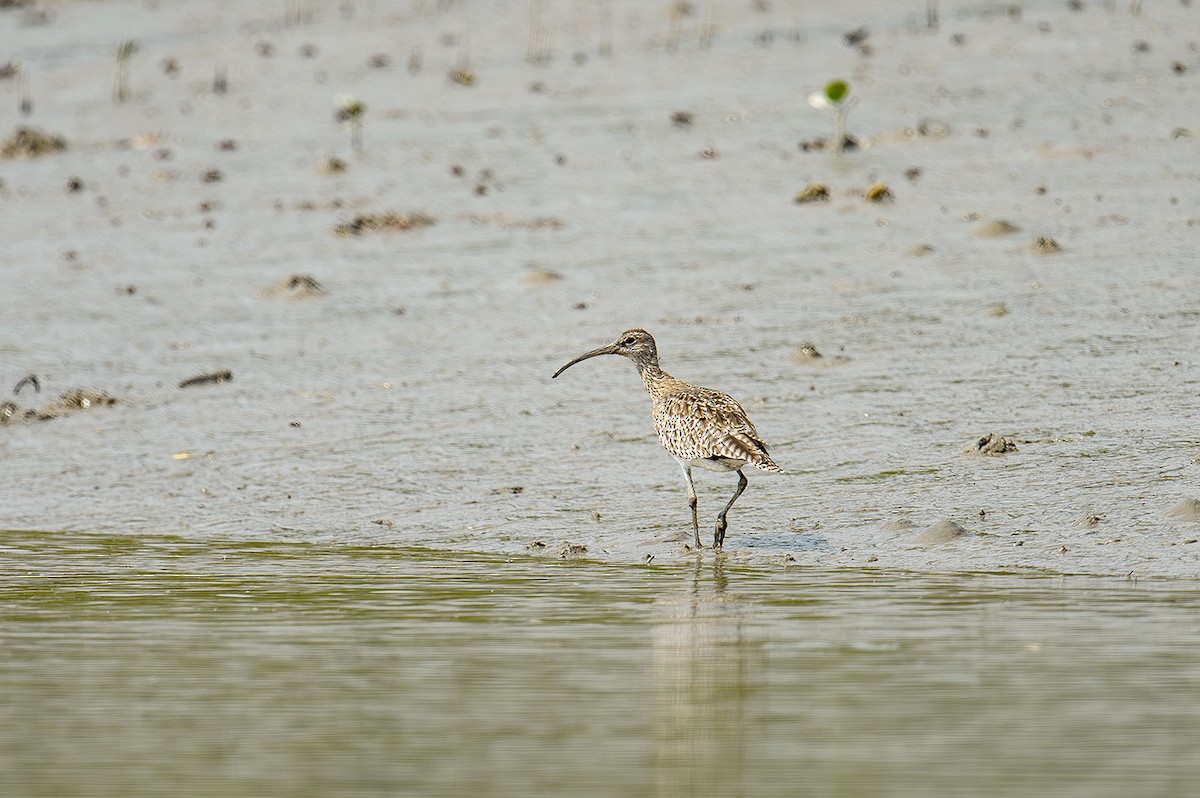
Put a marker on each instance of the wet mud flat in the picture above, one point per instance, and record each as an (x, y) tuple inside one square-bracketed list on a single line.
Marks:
[(389, 290)]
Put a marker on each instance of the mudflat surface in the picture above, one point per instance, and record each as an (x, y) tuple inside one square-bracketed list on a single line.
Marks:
[(409, 401)]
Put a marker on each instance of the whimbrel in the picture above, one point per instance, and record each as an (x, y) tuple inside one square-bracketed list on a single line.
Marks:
[(700, 427)]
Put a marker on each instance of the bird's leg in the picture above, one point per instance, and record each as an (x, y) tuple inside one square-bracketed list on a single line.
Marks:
[(687, 475), (722, 523)]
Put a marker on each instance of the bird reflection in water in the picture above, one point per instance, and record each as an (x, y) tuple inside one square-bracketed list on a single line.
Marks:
[(703, 668)]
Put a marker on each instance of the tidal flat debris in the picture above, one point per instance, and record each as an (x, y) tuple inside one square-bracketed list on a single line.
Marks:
[(806, 353), (29, 379), (682, 119), (383, 222), (463, 77), (942, 532), (1045, 245), (300, 286), (813, 192), (1186, 510), (992, 444), (332, 165), (213, 378), (68, 403), (28, 142), (879, 193), (572, 550)]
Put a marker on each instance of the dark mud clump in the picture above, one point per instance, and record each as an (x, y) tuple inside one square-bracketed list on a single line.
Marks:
[(27, 142), (1045, 245), (383, 222), (298, 285), (992, 444), (570, 551), (818, 143), (68, 403)]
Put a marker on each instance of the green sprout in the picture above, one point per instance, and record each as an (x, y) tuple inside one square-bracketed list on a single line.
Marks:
[(350, 112), (836, 99)]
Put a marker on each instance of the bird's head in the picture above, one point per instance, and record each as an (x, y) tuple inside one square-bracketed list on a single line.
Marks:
[(637, 345)]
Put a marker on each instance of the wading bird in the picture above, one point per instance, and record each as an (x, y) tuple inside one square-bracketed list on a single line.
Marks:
[(700, 427)]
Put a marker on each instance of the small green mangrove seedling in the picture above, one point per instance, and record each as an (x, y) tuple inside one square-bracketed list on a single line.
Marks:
[(125, 51), (350, 113), (835, 98)]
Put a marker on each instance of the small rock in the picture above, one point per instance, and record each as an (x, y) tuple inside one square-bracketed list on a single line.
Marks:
[(681, 119), (997, 228), (941, 532), (541, 277)]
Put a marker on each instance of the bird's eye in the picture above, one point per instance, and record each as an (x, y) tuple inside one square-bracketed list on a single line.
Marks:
[(628, 342)]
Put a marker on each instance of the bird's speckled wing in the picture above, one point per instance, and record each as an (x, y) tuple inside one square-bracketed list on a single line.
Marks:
[(696, 423)]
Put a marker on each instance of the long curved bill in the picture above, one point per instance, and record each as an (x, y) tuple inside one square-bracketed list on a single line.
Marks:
[(604, 350)]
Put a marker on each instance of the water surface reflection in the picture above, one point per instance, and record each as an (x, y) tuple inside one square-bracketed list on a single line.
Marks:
[(293, 670)]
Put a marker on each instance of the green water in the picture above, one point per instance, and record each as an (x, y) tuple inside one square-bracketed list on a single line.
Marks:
[(156, 666)]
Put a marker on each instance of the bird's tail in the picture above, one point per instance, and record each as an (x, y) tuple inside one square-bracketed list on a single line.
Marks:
[(764, 463)]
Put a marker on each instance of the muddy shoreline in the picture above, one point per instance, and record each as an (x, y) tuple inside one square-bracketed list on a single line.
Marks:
[(489, 230)]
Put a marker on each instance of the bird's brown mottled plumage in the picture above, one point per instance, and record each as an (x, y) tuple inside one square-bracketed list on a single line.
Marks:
[(700, 427)]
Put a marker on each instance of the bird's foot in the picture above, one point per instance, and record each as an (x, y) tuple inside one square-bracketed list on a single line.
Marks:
[(719, 533)]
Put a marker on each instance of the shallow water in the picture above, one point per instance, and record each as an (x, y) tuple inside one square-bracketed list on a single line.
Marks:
[(130, 663)]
